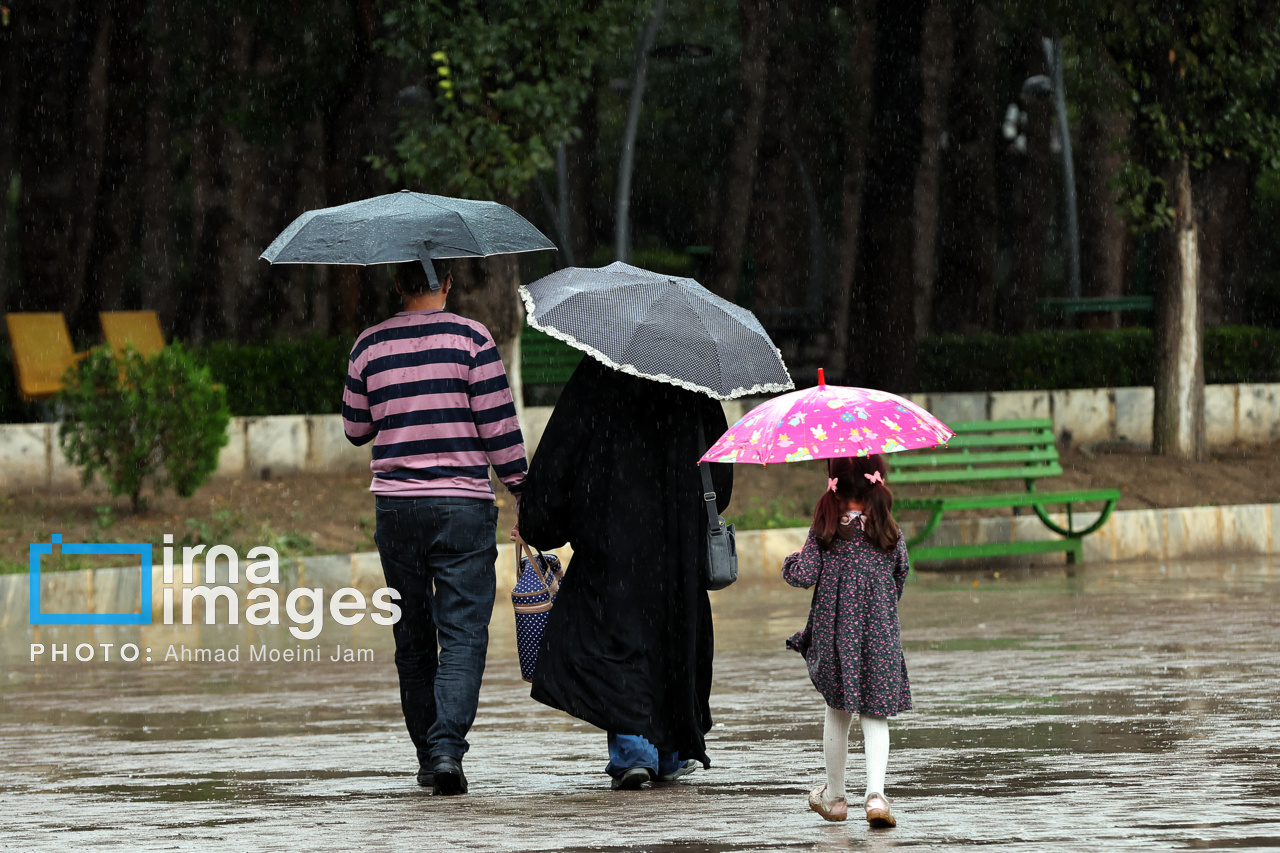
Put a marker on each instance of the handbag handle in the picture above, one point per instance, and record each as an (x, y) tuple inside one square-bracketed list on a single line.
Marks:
[(708, 488), (549, 582)]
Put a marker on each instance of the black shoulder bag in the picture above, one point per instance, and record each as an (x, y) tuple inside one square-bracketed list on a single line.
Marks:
[(722, 551)]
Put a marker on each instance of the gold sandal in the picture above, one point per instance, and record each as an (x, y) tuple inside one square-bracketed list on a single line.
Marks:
[(833, 810), (879, 818)]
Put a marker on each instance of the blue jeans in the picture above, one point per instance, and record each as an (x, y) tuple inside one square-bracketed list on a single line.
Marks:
[(439, 554), (627, 751)]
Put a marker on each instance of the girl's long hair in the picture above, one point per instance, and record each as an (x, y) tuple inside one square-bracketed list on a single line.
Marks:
[(856, 479)]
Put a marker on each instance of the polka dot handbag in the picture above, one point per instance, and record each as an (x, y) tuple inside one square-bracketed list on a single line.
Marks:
[(537, 584)]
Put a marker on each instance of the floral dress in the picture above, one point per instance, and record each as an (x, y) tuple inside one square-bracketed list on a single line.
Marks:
[(853, 644)]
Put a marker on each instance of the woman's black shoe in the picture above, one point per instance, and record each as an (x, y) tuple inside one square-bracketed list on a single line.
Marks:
[(633, 779), (426, 778), (448, 777)]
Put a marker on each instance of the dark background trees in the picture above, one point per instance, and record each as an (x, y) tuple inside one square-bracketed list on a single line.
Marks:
[(863, 174)]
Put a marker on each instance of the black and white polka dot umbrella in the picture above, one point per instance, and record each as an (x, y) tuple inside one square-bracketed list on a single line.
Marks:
[(659, 327)]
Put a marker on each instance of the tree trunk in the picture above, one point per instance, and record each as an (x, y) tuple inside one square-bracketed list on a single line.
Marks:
[(884, 307), (89, 178), (937, 46), (8, 163), (622, 217), (198, 313), (580, 159), (967, 249), (1102, 231), (64, 51), (239, 285), (756, 20), (113, 251), (853, 182), (158, 237), (1178, 425), (1032, 202)]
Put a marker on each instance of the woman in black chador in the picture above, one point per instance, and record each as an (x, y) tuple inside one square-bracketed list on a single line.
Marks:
[(628, 646)]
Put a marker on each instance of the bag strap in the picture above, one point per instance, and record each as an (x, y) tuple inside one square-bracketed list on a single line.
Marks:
[(549, 579), (708, 488)]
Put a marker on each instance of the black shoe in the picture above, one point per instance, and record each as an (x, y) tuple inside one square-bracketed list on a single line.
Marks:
[(633, 779), (448, 777), (426, 778)]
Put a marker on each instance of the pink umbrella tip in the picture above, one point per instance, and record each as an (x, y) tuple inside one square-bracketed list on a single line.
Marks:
[(822, 378)]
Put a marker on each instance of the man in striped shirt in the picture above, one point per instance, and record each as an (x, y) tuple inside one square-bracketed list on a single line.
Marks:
[(428, 389)]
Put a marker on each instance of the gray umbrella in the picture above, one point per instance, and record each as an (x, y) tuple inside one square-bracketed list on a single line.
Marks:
[(660, 327), (405, 226)]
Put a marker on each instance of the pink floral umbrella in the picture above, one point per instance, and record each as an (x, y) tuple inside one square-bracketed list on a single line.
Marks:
[(827, 422)]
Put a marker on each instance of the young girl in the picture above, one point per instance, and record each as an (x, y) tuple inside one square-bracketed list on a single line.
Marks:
[(856, 555)]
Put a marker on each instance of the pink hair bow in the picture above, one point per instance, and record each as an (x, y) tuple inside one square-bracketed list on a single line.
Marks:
[(832, 482), (877, 477)]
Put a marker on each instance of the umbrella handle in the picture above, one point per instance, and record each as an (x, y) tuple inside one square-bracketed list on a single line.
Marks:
[(424, 257)]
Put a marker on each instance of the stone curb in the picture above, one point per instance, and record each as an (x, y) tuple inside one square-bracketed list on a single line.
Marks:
[(1152, 534), (31, 458)]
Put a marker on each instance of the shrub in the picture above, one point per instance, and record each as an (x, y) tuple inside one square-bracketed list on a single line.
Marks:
[(1041, 361), (302, 377), (1241, 354), (135, 419)]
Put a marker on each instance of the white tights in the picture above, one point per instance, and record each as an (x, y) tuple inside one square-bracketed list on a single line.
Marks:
[(835, 744)]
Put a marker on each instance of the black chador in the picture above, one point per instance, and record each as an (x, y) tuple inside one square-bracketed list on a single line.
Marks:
[(629, 643)]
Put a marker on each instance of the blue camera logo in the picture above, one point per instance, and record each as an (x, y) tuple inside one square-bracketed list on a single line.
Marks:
[(140, 549)]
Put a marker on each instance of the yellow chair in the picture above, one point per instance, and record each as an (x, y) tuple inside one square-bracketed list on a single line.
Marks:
[(140, 328), (42, 352)]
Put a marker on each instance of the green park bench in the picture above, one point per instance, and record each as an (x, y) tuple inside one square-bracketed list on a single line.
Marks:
[(1096, 304), (544, 360), (989, 451)]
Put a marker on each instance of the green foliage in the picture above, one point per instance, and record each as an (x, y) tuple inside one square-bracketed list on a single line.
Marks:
[(135, 419), (1241, 354), (1043, 361), (1202, 76), (507, 80), (302, 377)]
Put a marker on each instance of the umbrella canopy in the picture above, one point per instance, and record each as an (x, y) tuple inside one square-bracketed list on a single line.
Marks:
[(658, 327), (828, 422), (405, 226)]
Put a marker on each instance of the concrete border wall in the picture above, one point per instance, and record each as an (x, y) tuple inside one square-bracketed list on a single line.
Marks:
[(1234, 414), (1150, 534), (31, 458)]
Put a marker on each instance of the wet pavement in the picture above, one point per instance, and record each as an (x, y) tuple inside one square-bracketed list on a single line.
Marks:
[(1121, 708)]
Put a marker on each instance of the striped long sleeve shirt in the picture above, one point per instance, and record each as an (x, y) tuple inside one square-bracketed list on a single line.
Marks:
[(429, 390)]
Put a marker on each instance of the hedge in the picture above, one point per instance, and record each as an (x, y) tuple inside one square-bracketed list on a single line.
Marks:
[(306, 376), (302, 377), (1042, 361)]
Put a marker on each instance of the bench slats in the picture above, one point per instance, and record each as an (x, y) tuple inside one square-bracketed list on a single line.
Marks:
[(1001, 426), (1073, 546), (936, 460), (964, 475), (982, 451), (1008, 499), (1023, 439)]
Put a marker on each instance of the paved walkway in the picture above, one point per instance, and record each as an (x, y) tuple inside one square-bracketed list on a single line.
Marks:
[(1125, 708)]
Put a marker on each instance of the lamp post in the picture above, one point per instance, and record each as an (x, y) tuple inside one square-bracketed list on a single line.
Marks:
[(1041, 86)]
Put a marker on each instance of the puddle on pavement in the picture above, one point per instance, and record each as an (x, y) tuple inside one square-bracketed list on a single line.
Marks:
[(1101, 709)]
